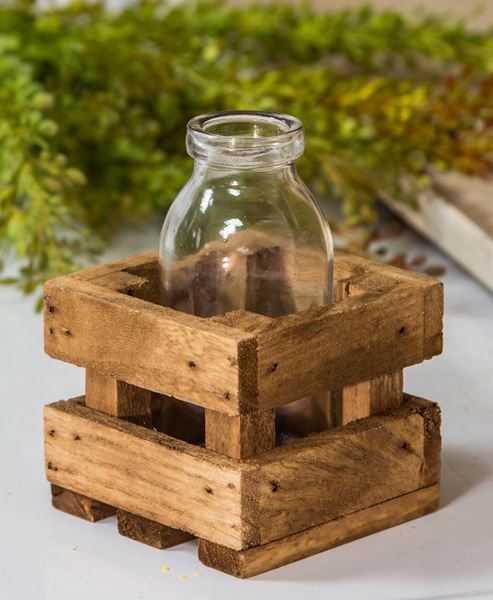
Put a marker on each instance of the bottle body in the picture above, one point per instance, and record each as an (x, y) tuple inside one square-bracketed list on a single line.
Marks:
[(248, 237)]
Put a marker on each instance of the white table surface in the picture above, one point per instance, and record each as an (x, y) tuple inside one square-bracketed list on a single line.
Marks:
[(46, 554)]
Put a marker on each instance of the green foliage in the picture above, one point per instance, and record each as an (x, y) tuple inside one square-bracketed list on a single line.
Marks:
[(93, 106)]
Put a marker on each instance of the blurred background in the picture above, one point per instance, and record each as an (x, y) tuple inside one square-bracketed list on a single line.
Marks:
[(479, 14), (397, 102)]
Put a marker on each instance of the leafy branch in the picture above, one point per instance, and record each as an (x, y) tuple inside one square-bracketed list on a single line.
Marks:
[(93, 105)]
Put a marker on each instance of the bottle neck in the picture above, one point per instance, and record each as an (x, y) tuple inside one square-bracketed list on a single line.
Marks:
[(204, 169), (245, 140)]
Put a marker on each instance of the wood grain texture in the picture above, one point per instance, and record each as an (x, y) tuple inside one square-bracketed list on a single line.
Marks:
[(79, 505), (149, 532), (344, 469), (259, 559), (433, 320), (358, 338), (242, 436), (367, 398), (375, 395), (134, 404), (118, 398), (248, 502), (149, 346), (386, 318), (243, 363), (147, 473)]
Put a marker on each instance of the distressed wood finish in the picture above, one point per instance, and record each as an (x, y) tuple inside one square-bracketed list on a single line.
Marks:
[(79, 505), (356, 339), (354, 275), (149, 532), (336, 472), (242, 436), (118, 398), (259, 559), (147, 473), (368, 398), (134, 404), (253, 506), (375, 395), (242, 503), (147, 345), (237, 365)]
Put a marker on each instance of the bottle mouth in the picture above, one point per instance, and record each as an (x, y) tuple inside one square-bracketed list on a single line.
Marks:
[(245, 139)]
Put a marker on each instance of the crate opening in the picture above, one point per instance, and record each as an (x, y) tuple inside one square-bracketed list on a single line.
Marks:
[(179, 419), (304, 417), (200, 293)]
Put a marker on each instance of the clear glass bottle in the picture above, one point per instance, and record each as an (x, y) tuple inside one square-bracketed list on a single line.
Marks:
[(246, 233)]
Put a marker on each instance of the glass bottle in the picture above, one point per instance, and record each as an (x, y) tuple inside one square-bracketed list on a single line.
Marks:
[(246, 233)]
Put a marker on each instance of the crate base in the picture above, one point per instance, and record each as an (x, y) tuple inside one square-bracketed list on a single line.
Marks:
[(259, 559), (79, 505)]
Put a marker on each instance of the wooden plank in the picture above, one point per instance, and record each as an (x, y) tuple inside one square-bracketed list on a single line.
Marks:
[(79, 505), (345, 469), (149, 532), (241, 436), (217, 364), (375, 395), (259, 559), (388, 318), (118, 398), (150, 346), (369, 397), (134, 404), (372, 274), (359, 338), (147, 473), (433, 325), (135, 276), (242, 503)]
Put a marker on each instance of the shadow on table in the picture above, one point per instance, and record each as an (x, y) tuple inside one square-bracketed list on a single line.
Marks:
[(462, 470)]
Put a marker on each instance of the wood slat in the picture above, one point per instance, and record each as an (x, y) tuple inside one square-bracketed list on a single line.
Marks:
[(241, 436), (259, 559), (149, 346), (118, 398), (342, 470), (244, 363), (134, 404), (146, 473), (79, 505), (249, 502), (357, 339), (149, 532), (137, 264)]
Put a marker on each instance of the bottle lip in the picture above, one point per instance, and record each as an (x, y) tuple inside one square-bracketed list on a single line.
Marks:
[(245, 138)]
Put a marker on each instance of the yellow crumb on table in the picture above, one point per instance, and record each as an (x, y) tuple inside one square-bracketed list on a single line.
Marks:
[(198, 574), (183, 577), (165, 568)]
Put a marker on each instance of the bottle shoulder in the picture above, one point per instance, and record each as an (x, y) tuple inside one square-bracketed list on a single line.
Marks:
[(217, 209)]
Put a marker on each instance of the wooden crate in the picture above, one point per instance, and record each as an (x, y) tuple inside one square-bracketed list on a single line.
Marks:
[(252, 504)]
